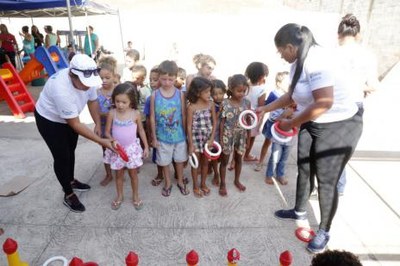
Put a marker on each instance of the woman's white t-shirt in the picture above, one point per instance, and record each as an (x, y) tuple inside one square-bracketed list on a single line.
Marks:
[(60, 100), (320, 71), (359, 66)]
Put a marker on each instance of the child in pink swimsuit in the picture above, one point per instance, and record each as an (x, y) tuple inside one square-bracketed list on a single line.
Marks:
[(123, 121)]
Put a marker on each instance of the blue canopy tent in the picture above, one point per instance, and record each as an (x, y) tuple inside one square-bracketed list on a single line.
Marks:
[(56, 8)]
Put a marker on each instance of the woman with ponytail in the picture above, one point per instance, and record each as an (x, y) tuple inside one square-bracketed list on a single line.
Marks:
[(329, 127)]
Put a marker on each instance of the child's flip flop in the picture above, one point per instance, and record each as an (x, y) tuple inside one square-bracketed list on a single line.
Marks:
[(166, 191), (138, 205)]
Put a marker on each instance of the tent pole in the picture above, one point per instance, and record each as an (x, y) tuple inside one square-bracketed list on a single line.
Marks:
[(120, 31), (71, 33)]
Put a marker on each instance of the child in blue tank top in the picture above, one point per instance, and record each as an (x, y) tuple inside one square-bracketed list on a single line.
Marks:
[(168, 122)]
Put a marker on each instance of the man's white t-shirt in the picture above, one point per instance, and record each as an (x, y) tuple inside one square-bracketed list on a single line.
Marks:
[(60, 100), (319, 71)]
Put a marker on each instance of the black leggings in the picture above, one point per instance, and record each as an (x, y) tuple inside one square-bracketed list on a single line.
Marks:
[(61, 140), (11, 55), (323, 151)]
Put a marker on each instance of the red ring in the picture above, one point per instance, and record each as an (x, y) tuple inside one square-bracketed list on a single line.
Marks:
[(210, 157), (291, 133), (299, 234)]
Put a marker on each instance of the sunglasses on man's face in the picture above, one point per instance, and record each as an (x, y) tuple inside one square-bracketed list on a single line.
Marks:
[(88, 72)]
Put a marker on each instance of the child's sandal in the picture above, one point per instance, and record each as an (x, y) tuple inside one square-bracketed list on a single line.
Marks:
[(166, 191), (206, 191), (183, 189), (197, 193), (116, 204), (157, 181), (138, 205)]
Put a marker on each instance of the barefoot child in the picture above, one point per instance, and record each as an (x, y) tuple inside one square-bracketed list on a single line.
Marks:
[(201, 121), (256, 72), (122, 123), (107, 67), (218, 94), (233, 136)]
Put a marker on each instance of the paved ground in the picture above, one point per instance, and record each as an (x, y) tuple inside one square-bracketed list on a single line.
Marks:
[(367, 222)]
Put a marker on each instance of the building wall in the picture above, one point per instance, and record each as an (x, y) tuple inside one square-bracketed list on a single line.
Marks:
[(380, 24)]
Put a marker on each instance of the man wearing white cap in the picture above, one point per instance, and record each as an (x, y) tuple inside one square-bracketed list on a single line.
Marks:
[(63, 98)]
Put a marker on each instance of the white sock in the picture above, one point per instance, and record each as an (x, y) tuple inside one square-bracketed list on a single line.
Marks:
[(300, 213)]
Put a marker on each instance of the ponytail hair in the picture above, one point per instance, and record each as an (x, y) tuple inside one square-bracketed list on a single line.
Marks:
[(303, 39)]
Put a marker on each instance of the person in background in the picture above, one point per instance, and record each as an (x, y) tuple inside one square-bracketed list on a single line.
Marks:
[(117, 79), (205, 65), (3, 56), (362, 65), (129, 47), (131, 59), (51, 38), (37, 36), (9, 44), (107, 67), (62, 99), (154, 85), (329, 123), (180, 80), (139, 73), (218, 93), (28, 43), (91, 44)]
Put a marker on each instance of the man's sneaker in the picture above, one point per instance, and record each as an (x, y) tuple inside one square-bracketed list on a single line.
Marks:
[(78, 186), (319, 242), (289, 215), (73, 203)]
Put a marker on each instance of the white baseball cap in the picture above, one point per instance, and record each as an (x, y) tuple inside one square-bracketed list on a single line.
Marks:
[(86, 69)]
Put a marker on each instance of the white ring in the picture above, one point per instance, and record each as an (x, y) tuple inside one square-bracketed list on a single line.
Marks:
[(56, 258), (251, 113), (277, 137), (193, 161), (214, 154)]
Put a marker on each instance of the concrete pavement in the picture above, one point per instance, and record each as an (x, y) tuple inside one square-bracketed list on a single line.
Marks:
[(367, 222)]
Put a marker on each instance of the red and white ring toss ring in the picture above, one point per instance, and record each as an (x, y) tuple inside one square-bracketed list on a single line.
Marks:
[(281, 135), (242, 120), (304, 234), (193, 161), (213, 155)]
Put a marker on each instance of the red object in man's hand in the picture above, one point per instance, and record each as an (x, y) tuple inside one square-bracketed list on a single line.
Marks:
[(122, 153)]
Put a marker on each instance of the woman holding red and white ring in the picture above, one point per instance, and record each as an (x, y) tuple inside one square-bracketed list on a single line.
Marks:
[(329, 124)]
